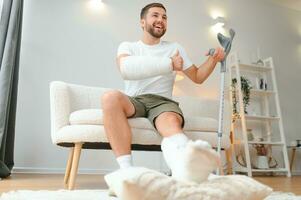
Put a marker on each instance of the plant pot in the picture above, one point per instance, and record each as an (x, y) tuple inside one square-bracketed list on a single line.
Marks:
[(262, 162)]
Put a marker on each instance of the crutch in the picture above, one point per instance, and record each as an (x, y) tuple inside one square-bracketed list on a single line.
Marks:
[(226, 43)]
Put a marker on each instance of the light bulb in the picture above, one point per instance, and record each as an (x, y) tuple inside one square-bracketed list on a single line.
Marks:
[(96, 5)]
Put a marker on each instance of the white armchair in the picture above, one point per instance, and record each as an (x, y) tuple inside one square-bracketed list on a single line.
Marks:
[(76, 122)]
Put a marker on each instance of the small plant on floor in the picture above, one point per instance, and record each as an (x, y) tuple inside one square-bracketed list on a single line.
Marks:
[(261, 149)]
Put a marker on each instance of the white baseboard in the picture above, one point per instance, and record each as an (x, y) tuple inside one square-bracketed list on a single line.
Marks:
[(33, 170), (296, 173)]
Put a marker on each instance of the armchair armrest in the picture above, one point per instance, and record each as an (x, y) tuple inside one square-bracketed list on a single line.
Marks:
[(66, 98), (59, 106)]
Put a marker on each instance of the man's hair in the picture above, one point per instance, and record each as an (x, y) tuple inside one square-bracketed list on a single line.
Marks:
[(148, 6)]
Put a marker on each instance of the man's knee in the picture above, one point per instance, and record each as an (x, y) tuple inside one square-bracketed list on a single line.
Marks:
[(168, 118), (115, 99), (111, 99)]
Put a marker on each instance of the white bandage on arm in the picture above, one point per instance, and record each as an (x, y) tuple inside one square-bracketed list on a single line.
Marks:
[(141, 67)]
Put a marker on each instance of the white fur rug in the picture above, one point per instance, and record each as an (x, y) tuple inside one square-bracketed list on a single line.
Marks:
[(95, 195), (57, 195)]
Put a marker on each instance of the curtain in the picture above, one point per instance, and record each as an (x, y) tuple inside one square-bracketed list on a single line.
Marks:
[(10, 39), (1, 3)]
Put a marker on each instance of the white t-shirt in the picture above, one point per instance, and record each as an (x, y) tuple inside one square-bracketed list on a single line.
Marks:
[(160, 85)]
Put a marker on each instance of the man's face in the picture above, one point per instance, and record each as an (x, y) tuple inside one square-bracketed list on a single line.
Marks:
[(155, 22)]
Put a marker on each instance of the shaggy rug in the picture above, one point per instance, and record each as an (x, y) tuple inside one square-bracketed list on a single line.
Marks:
[(95, 195)]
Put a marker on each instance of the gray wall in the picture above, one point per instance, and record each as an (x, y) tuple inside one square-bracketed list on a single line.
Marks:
[(67, 41)]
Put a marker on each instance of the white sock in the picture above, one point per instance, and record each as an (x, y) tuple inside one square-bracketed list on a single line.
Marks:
[(125, 161)]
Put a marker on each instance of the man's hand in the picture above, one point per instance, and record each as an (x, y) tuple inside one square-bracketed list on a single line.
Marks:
[(218, 55), (177, 62)]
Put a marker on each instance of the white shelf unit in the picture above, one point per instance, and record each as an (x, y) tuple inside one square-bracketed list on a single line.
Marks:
[(265, 118)]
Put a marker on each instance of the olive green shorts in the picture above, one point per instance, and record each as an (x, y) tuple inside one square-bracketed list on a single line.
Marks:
[(151, 106)]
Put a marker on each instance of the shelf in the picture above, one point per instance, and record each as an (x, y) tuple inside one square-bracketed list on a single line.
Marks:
[(270, 170), (250, 67), (261, 92), (253, 117), (258, 92), (257, 117), (254, 142), (266, 142), (241, 169)]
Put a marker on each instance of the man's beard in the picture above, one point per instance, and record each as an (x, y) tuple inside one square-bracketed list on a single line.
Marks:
[(151, 30)]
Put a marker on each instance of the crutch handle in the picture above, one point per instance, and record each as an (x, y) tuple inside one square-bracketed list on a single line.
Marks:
[(226, 43)]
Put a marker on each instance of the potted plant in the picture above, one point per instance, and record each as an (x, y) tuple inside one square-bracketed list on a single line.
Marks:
[(245, 88), (262, 156), (260, 149)]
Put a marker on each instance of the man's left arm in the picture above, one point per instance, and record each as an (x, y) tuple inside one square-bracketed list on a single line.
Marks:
[(200, 74)]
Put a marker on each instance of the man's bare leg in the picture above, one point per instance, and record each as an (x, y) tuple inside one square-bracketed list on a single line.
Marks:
[(192, 161), (116, 109)]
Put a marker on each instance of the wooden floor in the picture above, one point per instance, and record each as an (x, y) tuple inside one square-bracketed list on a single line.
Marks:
[(55, 181)]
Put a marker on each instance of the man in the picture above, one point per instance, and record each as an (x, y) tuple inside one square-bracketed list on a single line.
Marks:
[(149, 67)]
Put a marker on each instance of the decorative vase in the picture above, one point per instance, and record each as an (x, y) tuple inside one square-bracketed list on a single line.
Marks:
[(262, 162)]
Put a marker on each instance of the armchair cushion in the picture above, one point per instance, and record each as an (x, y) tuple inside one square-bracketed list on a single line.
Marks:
[(95, 117)]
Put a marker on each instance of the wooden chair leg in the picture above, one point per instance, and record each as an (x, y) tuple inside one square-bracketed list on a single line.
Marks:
[(68, 168), (292, 158), (229, 160), (75, 161)]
